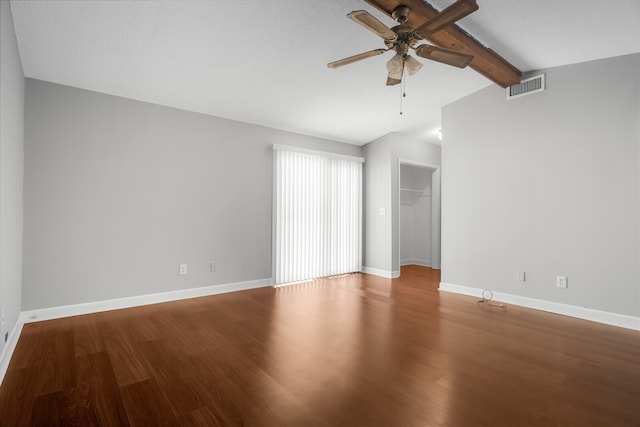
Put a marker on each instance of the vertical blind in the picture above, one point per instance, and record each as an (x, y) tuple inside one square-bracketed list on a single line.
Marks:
[(318, 215)]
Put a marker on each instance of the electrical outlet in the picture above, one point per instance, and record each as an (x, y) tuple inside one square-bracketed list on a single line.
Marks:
[(522, 276), (183, 269), (6, 336), (561, 282), (212, 267)]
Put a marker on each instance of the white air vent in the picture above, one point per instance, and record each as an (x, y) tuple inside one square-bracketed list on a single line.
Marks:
[(526, 87)]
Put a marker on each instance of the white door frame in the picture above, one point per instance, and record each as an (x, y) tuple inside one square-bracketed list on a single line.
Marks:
[(435, 210)]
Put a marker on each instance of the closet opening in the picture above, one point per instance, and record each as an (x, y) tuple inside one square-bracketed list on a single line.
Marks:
[(418, 214)]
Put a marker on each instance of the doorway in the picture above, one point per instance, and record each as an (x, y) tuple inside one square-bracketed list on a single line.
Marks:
[(418, 214)]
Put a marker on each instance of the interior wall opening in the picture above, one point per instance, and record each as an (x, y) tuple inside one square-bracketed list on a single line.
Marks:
[(418, 214)]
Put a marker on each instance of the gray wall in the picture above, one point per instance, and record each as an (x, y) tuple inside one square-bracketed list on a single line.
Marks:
[(381, 247), (118, 193), (11, 170), (547, 184)]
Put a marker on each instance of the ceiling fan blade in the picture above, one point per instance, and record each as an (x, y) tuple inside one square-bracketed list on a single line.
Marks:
[(395, 66), (446, 56), (354, 58), (372, 24), (451, 14), (413, 65)]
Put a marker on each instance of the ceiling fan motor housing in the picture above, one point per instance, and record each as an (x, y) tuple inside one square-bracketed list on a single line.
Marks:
[(406, 38), (401, 13)]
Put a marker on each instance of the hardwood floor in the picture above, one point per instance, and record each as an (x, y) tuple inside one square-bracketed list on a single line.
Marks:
[(354, 350)]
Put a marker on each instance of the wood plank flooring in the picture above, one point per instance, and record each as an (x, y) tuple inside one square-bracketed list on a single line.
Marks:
[(356, 350)]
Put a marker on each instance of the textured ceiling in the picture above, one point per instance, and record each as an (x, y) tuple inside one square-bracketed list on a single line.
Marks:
[(264, 62)]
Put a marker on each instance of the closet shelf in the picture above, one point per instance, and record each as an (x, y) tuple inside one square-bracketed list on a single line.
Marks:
[(409, 196), (415, 193)]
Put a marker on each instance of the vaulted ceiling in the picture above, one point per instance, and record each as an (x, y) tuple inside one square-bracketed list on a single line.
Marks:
[(264, 62)]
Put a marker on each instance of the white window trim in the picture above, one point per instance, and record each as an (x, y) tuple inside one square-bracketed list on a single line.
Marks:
[(317, 152)]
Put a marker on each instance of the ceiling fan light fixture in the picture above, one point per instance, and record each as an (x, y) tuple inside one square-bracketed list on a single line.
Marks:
[(395, 66), (412, 64)]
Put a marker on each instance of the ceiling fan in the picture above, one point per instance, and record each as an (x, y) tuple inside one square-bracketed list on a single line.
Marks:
[(403, 37)]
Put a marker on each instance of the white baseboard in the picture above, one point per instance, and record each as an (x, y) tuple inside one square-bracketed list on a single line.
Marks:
[(614, 319), (422, 262), (115, 304), (127, 302), (8, 349), (388, 274)]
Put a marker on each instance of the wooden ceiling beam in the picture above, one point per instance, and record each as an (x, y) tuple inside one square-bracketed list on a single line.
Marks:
[(485, 61)]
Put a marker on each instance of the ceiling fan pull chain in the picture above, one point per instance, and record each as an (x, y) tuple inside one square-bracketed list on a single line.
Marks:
[(403, 92), (404, 85)]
